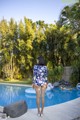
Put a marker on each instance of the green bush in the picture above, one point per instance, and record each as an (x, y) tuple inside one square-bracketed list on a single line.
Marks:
[(55, 74), (74, 77)]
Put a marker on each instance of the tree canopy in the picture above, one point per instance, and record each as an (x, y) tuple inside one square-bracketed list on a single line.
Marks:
[(21, 43)]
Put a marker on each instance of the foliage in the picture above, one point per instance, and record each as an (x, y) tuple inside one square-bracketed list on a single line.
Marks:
[(70, 15), (21, 43), (74, 77), (55, 74)]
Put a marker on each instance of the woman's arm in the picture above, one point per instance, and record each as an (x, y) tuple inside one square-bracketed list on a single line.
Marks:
[(34, 77)]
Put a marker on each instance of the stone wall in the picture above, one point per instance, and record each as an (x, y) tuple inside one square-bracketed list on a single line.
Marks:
[(67, 73)]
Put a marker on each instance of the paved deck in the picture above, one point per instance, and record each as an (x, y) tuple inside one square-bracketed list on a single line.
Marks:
[(65, 111)]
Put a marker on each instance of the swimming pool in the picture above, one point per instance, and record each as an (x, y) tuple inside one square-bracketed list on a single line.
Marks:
[(12, 93)]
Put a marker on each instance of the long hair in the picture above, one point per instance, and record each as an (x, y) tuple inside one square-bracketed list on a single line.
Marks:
[(41, 60)]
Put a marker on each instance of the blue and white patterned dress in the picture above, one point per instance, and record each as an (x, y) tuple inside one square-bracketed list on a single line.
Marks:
[(40, 74)]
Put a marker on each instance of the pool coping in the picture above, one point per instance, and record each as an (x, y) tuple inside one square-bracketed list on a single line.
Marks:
[(16, 84), (65, 111)]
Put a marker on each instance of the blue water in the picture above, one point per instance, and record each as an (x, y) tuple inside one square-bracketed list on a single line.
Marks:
[(10, 94)]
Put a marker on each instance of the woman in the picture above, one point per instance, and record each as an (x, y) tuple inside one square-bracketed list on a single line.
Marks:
[(40, 82)]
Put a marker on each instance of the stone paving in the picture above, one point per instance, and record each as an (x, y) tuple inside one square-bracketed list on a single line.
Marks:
[(65, 111)]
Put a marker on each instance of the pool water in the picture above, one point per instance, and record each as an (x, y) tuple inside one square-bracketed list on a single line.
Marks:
[(11, 93)]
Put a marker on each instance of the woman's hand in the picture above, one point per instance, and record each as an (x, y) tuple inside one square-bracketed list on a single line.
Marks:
[(33, 86), (46, 85)]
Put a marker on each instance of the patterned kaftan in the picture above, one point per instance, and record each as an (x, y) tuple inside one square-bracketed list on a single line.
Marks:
[(40, 75)]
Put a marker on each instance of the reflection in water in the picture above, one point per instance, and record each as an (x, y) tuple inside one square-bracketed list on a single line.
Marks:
[(49, 94), (9, 94)]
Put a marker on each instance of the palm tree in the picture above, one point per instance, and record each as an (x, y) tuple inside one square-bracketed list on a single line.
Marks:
[(71, 15)]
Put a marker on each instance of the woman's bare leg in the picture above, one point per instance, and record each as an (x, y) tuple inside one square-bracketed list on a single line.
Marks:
[(43, 88), (38, 94)]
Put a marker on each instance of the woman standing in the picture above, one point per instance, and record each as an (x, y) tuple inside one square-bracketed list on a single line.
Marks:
[(40, 82)]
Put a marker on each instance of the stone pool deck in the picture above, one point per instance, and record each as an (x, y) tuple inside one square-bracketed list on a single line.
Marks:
[(65, 111)]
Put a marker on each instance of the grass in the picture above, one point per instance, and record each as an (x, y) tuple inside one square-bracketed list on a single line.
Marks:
[(24, 81)]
